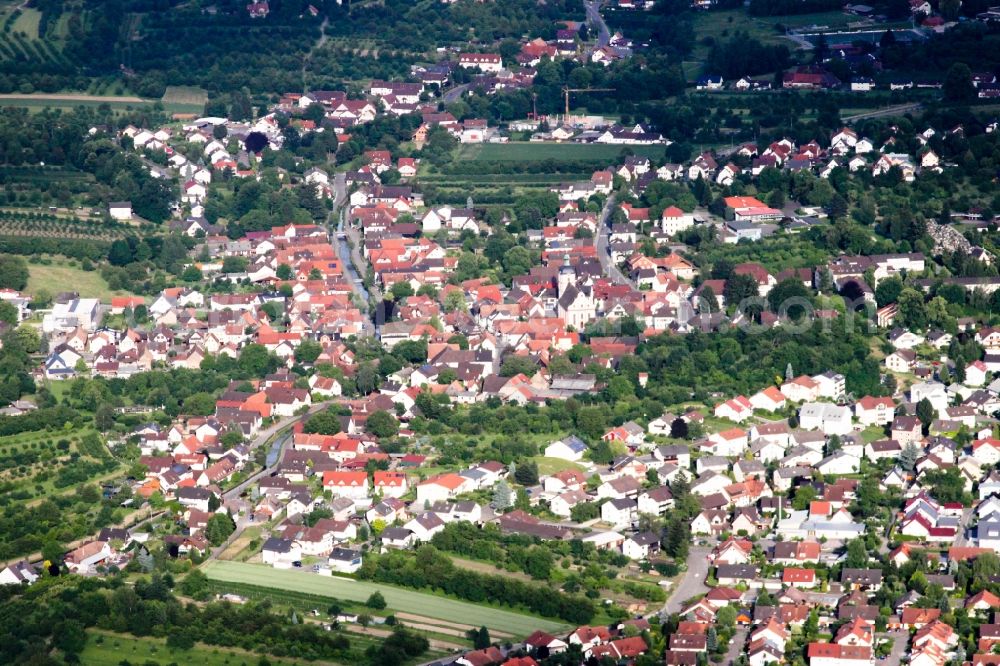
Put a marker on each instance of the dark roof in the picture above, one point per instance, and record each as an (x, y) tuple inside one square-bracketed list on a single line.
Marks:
[(277, 545)]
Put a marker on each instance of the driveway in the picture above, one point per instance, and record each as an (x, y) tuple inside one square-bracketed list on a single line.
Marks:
[(736, 645), (692, 584), (964, 529), (901, 640)]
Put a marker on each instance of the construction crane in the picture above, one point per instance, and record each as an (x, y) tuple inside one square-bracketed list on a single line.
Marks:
[(567, 91)]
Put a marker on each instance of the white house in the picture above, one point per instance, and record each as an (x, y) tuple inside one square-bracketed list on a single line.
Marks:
[(280, 552), (674, 220), (872, 411), (737, 409), (975, 373), (986, 451), (839, 463), (120, 210), (619, 513), (17, 573), (769, 400), (831, 419), (343, 560), (728, 443), (569, 448), (656, 501)]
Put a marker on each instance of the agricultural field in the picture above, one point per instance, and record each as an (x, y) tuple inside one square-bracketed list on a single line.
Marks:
[(31, 36), (38, 464), (184, 99), (67, 101), (47, 225), (442, 635), (109, 649), (525, 152), (68, 276), (499, 174), (400, 600), (37, 187), (177, 99)]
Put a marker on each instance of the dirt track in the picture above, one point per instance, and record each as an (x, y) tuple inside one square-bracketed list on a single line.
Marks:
[(430, 623), (435, 643), (76, 97)]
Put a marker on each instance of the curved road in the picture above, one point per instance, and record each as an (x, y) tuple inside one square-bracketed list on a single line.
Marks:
[(281, 429), (455, 93), (593, 10)]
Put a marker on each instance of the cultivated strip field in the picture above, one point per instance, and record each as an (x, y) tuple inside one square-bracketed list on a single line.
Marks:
[(399, 599), (524, 151)]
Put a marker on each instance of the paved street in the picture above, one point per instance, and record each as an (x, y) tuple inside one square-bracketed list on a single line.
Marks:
[(263, 439), (888, 111), (455, 93), (595, 19), (603, 230), (692, 584), (350, 258)]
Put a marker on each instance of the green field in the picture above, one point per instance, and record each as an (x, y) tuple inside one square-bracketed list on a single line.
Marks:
[(524, 151), (64, 277), (27, 23), (549, 466), (177, 99), (399, 599), (107, 649), (184, 99), (69, 101)]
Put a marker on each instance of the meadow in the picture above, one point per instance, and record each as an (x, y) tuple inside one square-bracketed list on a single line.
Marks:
[(66, 276), (108, 649)]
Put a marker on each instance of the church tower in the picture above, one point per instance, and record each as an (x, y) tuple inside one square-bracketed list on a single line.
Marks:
[(567, 275)]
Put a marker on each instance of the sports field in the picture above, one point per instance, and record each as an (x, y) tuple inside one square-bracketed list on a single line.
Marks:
[(526, 151), (399, 599)]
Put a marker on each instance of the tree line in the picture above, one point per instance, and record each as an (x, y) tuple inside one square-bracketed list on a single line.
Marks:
[(429, 568)]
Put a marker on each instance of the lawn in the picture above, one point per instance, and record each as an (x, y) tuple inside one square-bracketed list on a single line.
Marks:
[(525, 151), (549, 466), (109, 649), (399, 599), (63, 277)]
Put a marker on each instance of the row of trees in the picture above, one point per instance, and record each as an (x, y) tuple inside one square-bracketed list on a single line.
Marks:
[(429, 568)]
